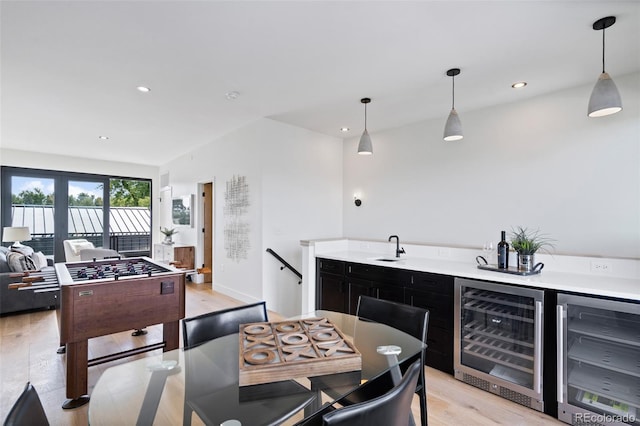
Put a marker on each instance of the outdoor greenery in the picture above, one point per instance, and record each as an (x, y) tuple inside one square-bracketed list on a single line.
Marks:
[(32, 196), (129, 193), (122, 193)]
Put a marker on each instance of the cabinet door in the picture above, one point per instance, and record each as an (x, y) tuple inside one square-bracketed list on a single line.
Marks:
[(392, 293), (184, 257), (357, 288), (163, 253), (331, 293), (440, 335)]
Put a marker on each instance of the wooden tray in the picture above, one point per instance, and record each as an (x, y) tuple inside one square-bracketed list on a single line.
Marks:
[(271, 352)]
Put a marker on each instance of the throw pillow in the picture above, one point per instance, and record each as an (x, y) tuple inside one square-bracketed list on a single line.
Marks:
[(39, 260), (18, 262), (26, 250)]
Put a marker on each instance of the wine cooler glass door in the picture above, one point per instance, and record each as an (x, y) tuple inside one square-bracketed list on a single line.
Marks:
[(500, 333), (600, 369)]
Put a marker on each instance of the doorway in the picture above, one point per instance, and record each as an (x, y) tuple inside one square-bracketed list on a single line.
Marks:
[(207, 231)]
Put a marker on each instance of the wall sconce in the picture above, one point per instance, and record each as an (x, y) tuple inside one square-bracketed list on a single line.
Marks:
[(356, 200)]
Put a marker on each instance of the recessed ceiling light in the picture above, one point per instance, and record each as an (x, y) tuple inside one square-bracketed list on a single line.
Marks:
[(143, 89), (344, 129), (104, 138), (232, 95), (519, 85)]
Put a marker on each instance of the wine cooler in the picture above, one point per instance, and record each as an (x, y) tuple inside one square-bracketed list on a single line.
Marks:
[(498, 340), (598, 361)]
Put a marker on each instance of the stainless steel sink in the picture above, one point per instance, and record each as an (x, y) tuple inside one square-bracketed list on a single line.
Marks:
[(388, 259)]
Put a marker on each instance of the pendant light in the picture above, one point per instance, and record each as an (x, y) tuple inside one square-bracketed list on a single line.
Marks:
[(365, 147), (605, 98), (453, 128)]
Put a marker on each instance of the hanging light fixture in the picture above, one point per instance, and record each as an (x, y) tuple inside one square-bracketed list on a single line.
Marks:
[(605, 98), (365, 147), (453, 128)]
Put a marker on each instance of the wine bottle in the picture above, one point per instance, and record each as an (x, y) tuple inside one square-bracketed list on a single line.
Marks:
[(503, 252)]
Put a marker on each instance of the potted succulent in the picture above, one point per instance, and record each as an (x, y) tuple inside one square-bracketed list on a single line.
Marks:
[(526, 243), (168, 235)]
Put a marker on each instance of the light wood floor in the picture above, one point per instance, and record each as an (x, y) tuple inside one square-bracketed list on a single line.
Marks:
[(28, 344)]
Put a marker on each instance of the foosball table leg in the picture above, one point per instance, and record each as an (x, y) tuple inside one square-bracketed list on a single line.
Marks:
[(77, 372)]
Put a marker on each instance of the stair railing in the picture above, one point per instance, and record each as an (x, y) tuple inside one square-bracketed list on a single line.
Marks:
[(285, 264)]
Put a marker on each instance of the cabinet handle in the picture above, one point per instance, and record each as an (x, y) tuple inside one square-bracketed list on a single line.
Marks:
[(537, 357), (560, 352)]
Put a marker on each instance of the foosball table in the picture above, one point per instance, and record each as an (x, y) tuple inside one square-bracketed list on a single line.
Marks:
[(102, 297)]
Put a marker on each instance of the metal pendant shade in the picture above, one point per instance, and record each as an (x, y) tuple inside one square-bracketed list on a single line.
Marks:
[(453, 127), (365, 147), (605, 98)]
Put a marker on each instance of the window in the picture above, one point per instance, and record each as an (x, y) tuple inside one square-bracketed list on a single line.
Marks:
[(113, 212)]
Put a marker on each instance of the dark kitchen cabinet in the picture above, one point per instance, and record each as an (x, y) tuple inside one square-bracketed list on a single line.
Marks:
[(331, 289), (435, 293), (332, 292), (340, 285), (356, 288)]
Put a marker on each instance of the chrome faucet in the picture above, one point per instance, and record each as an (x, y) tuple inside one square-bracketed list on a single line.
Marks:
[(399, 250)]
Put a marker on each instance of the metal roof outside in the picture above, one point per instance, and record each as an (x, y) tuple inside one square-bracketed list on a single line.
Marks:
[(83, 219)]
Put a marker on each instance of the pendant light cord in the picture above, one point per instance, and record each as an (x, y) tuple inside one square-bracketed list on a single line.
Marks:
[(603, 50), (453, 92), (365, 116)]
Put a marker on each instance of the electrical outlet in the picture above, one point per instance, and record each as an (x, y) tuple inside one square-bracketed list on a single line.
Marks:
[(601, 266)]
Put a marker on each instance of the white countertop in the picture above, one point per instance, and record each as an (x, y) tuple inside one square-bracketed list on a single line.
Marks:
[(461, 263)]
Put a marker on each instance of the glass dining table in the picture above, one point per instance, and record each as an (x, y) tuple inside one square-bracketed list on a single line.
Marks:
[(156, 390)]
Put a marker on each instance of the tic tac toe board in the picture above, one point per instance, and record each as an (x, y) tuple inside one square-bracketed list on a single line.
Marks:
[(275, 351)]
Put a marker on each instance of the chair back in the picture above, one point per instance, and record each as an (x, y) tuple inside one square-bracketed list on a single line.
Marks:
[(27, 410), (209, 326), (410, 319), (391, 409), (72, 248)]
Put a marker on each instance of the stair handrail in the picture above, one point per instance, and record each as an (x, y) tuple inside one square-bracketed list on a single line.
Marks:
[(285, 264)]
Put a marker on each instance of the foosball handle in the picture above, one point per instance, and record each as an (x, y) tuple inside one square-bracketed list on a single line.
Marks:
[(18, 285)]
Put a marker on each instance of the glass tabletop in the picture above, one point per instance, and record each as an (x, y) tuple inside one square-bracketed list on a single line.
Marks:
[(155, 389)]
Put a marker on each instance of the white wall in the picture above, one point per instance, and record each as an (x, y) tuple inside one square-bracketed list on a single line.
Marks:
[(540, 163), (301, 199), (295, 190)]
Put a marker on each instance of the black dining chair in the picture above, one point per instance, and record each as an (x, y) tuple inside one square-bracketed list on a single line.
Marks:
[(203, 328), (209, 326), (391, 409), (409, 319), (27, 410)]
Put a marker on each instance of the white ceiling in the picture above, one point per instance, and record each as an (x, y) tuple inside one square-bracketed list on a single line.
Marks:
[(69, 69)]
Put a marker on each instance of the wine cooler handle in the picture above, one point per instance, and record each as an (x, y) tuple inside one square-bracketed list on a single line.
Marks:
[(560, 352), (537, 358)]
